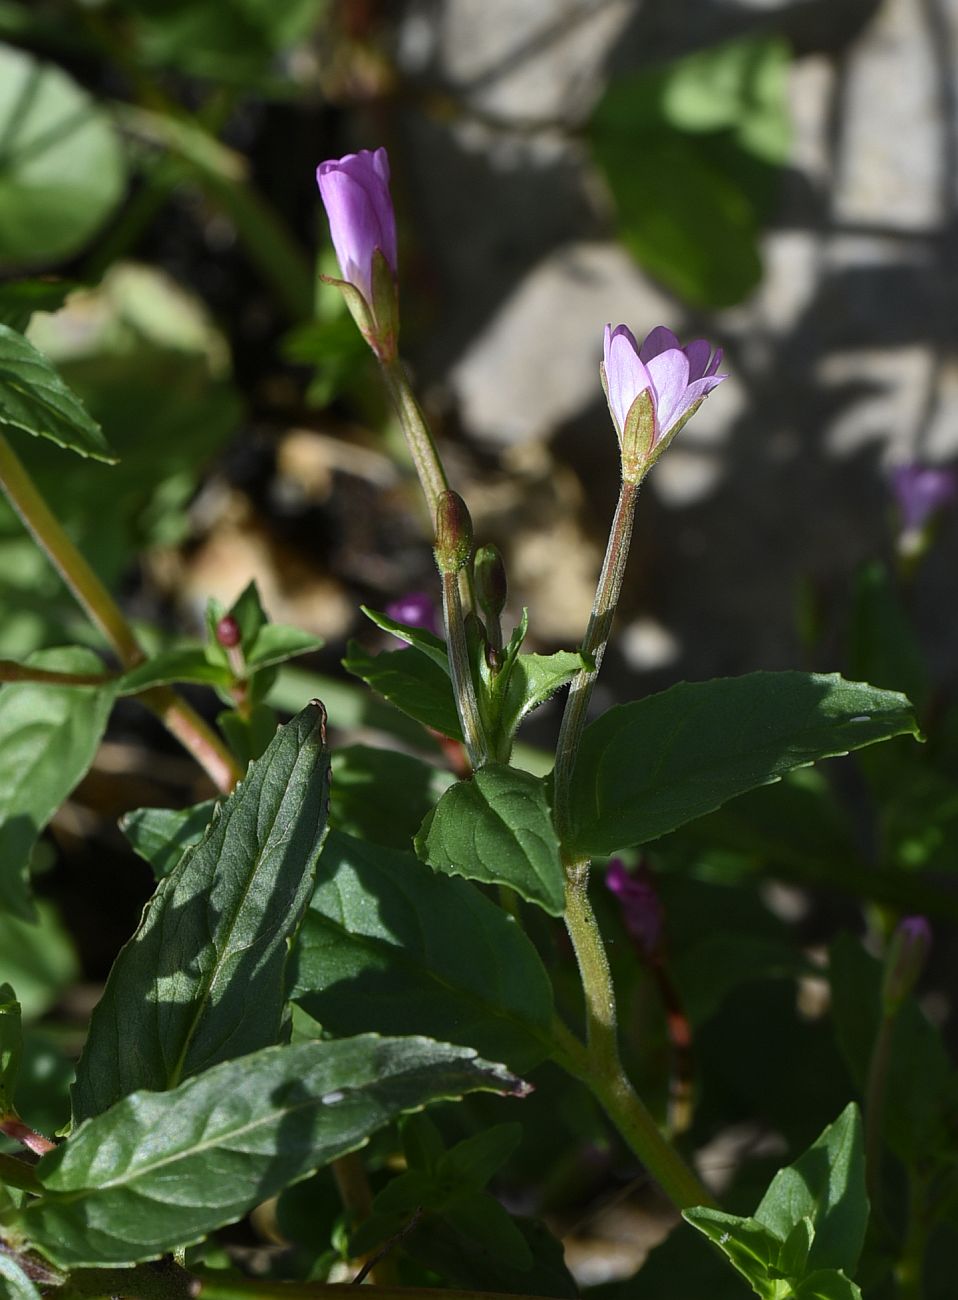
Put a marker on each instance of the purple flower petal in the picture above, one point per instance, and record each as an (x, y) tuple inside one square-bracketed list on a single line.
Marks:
[(415, 609), (355, 192), (659, 340), (625, 374), (699, 353), (670, 378), (641, 908)]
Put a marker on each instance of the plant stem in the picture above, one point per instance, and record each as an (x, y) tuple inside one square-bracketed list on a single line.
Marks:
[(72, 567), (911, 1263), (10, 671), (12, 1126), (634, 1121), (593, 647), (875, 1107), (460, 671), (178, 717), (432, 476)]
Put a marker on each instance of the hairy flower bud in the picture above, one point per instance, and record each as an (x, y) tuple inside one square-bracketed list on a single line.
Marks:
[(453, 533), (904, 961), (491, 586), (653, 390)]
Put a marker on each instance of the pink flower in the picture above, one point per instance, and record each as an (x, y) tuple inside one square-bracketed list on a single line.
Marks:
[(355, 192), (676, 379), (641, 909)]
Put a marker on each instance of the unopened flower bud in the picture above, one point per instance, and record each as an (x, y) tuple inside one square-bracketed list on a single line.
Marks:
[(228, 632), (453, 533), (904, 961), (491, 586)]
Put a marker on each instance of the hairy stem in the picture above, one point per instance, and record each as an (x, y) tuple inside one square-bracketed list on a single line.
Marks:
[(593, 648), (460, 671), (432, 476)]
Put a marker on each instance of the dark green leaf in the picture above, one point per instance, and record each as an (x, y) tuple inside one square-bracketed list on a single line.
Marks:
[(467, 1262), (367, 957), (410, 681), (34, 399), (160, 1170), (202, 980), (793, 1257), (827, 1284), (179, 664), (49, 736), (708, 971), (11, 1046), (747, 1244), (19, 299), (647, 767), (383, 795), (473, 1161), (480, 1218), (826, 1185), (497, 828), (61, 165), (161, 835)]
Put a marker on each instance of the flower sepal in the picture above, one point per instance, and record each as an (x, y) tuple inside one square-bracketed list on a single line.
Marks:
[(385, 308), (637, 441)]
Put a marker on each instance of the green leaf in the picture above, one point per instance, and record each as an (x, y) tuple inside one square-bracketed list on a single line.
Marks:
[(248, 734), (826, 1185), (481, 1219), (647, 767), (692, 155), (708, 971), (415, 684), (382, 795), (160, 1170), (37, 958), (61, 165), (34, 399), (432, 646), (19, 299), (533, 679), (827, 1284), (179, 664), (497, 828), (387, 945), (49, 736), (202, 980), (750, 1247), (276, 643), (793, 1257), (466, 1262), (11, 1046), (161, 835), (472, 1162), (14, 1283)]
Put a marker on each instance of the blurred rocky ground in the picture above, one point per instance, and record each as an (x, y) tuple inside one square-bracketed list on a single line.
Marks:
[(842, 361)]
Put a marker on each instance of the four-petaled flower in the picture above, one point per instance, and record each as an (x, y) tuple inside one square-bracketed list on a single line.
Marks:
[(653, 389)]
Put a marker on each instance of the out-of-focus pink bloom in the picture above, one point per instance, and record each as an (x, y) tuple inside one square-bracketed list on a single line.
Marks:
[(417, 609), (641, 909), (355, 192), (920, 491), (675, 378)]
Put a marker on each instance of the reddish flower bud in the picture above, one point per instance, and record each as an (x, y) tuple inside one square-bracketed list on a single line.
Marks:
[(228, 632)]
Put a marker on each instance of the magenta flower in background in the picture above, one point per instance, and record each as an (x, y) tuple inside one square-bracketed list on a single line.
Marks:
[(416, 609), (641, 909), (920, 491), (355, 193), (676, 378)]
